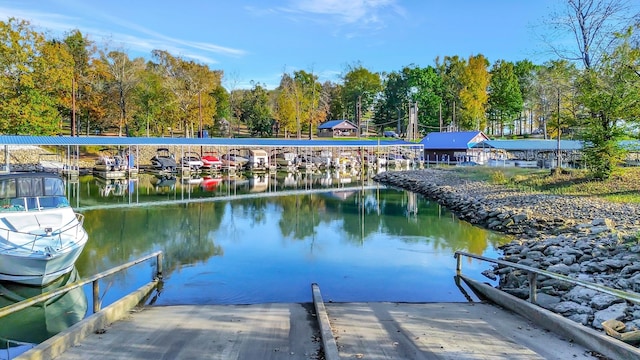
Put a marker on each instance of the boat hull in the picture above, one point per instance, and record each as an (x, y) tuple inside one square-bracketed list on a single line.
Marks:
[(39, 269)]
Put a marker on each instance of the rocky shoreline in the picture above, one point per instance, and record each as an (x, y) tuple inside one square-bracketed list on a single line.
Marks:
[(584, 238)]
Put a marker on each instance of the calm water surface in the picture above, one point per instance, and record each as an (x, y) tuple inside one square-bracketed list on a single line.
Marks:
[(259, 239), (373, 244)]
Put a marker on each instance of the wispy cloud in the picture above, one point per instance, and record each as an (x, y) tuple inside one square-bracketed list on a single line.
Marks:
[(130, 35), (364, 12), (354, 13), (156, 37)]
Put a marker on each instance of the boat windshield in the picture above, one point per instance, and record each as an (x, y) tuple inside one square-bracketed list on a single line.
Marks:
[(31, 193)]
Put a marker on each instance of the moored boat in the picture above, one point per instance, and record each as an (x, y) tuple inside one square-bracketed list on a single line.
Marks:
[(164, 160), (109, 161), (41, 236), (211, 161), (191, 160)]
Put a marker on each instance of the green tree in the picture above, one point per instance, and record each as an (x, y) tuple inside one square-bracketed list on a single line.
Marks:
[(413, 84), (428, 87), (150, 98), (334, 96), (256, 111), (505, 99), (221, 124), (611, 93), (390, 109), (361, 87), (525, 71)]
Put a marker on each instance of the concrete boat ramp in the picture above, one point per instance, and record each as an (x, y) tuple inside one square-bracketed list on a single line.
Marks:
[(318, 330)]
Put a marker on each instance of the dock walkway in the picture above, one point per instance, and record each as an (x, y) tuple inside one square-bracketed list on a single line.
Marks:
[(290, 331)]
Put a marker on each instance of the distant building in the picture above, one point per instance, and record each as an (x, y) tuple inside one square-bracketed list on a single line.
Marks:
[(338, 128), (453, 147)]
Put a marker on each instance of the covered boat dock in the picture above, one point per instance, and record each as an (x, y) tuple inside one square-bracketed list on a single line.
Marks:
[(68, 148)]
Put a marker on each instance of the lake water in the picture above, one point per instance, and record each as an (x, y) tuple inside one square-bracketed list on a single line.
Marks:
[(267, 238)]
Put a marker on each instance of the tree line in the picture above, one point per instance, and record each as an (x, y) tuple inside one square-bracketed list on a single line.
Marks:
[(591, 91)]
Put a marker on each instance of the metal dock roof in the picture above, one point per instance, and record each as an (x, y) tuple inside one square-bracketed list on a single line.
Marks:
[(163, 141)]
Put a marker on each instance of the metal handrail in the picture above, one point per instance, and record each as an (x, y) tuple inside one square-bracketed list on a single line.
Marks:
[(36, 237), (533, 272), (93, 279)]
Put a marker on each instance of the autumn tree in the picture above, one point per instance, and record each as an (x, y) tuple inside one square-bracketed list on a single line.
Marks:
[(76, 103), (285, 106), (123, 75), (35, 72), (474, 94), (451, 70), (191, 85), (311, 101)]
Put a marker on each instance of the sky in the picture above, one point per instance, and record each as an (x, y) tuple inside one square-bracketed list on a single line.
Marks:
[(256, 41)]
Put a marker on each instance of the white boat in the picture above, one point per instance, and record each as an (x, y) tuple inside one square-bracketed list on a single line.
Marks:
[(41, 236), (109, 161), (258, 160), (229, 160), (285, 159), (191, 160)]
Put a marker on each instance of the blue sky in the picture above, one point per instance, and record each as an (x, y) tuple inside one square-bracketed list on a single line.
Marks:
[(258, 40)]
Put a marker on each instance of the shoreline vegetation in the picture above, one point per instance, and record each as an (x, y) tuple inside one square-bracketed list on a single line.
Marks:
[(570, 227)]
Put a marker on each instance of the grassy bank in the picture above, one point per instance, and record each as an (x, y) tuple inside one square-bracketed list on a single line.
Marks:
[(623, 186)]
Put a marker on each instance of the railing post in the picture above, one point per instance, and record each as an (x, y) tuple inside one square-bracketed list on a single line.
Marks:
[(96, 296), (159, 265), (533, 287), (458, 263)]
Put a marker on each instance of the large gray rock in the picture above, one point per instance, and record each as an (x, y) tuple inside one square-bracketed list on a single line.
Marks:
[(580, 295), (570, 308), (560, 269), (616, 312), (603, 301)]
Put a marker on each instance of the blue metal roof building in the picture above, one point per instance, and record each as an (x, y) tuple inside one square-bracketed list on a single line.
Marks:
[(457, 140)]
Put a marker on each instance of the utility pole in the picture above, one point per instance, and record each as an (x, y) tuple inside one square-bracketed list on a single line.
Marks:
[(73, 105), (559, 157), (440, 115), (358, 113), (201, 134)]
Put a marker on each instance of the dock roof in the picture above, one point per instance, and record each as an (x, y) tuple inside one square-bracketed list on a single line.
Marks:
[(168, 141), (533, 145), (456, 140)]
